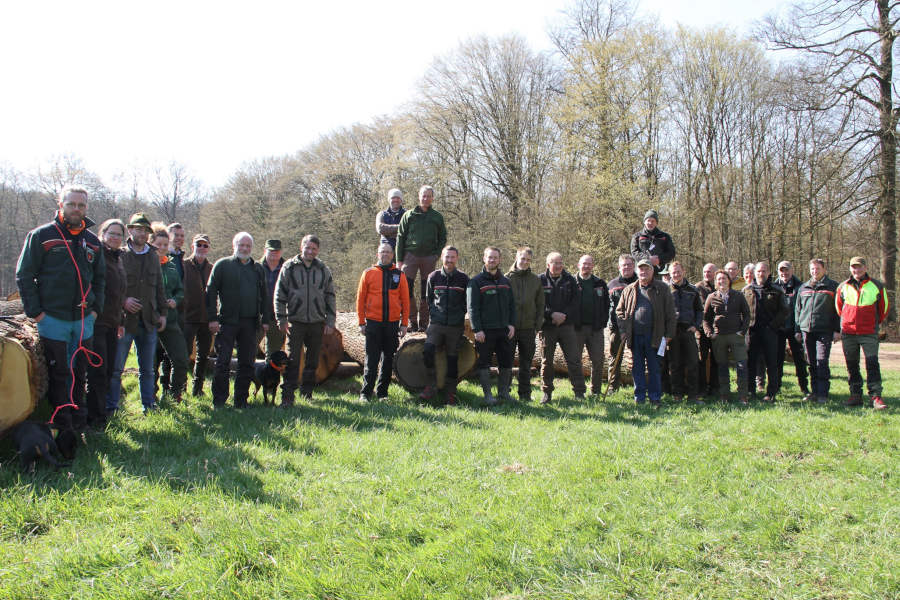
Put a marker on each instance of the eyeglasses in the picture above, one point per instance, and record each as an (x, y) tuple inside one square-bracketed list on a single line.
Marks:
[(201, 245)]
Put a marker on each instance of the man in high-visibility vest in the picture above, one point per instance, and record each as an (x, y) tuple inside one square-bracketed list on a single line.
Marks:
[(862, 304)]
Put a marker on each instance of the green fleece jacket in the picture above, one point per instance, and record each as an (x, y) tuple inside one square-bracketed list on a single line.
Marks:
[(529, 297), (421, 233)]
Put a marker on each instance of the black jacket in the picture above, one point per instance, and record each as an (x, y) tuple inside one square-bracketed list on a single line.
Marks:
[(688, 304), (601, 303), (446, 295), (562, 296), (490, 302), (790, 290), (767, 305), (645, 244), (224, 290), (615, 287)]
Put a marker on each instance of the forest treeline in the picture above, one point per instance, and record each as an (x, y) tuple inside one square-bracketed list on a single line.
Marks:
[(746, 154)]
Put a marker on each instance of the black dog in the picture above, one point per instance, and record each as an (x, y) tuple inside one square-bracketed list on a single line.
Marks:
[(268, 376), (35, 440)]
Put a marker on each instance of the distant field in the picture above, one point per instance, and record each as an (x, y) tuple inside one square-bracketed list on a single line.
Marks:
[(337, 499)]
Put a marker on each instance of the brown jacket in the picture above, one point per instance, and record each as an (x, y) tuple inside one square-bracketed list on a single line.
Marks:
[(664, 323), (146, 284), (195, 279), (116, 284), (725, 319)]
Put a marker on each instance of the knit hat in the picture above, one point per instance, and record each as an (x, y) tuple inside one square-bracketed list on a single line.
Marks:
[(395, 193), (140, 220), (651, 213)]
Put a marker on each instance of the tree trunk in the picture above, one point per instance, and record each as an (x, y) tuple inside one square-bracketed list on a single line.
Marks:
[(888, 200), (23, 370)]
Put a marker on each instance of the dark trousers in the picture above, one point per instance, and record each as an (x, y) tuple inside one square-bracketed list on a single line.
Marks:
[(707, 369), (98, 378), (244, 336), (614, 375), (818, 349), (523, 341), (762, 348), (422, 266), (496, 341), (171, 345), (162, 357), (60, 380), (564, 335), (591, 338), (304, 339), (799, 356), (382, 340), (200, 333), (869, 345), (683, 361), (645, 356), (449, 338)]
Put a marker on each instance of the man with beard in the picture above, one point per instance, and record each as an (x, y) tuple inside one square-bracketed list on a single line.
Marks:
[(61, 276), (561, 298), (593, 315), (818, 325), (788, 283), (236, 305), (420, 237), (306, 311), (683, 351)]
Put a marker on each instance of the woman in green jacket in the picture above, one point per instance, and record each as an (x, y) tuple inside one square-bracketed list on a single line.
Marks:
[(171, 339)]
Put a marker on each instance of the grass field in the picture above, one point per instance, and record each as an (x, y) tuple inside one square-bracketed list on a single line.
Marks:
[(338, 499)]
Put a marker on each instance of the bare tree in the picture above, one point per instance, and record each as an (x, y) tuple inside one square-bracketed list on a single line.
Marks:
[(173, 189), (849, 44)]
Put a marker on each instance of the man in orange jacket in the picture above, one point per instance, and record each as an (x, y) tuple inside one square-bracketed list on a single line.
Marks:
[(382, 305), (862, 304)]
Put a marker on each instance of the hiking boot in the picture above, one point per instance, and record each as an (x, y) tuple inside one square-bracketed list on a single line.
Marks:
[(878, 403), (450, 392), (503, 384), (743, 400), (769, 399), (364, 397), (854, 400), (525, 395), (428, 394), (484, 378), (546, 397), (808, 396), (579, 395), (677, 398)]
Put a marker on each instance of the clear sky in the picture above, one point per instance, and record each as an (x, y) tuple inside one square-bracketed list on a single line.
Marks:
[(215, 84)]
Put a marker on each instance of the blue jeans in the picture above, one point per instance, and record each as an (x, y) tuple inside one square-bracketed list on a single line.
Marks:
[(145, 346), (645, 354)]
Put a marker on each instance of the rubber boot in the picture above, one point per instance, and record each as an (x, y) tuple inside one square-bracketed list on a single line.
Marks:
[(503, 384), (450, 392), (484, 378), (430, 390)]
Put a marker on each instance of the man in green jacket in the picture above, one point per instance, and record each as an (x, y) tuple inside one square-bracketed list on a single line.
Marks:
[(61, 276), (171, 339), (420, 237), (817, 325), (529, 297), (236, 305)]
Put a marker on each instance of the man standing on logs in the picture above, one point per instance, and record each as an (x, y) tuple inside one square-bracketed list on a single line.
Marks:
[(305, 308), (382, 306), (561, 298), (236, 305), (492, 312), (61, 276), (626, 277), (529, 297), (388, 221), (653, 244), (420, 237), (446, 295), (593, 315), (646, 315)]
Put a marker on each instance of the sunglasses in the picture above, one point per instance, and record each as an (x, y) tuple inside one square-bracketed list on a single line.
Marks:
[(201, 245)]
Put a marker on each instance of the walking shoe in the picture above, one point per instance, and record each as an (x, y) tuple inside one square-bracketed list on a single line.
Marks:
[(696, 400), (546, 398), (382, 398), (743, 400), (769, 399), (363, 397), (878, 403), (854, 400), (428, 393), (808, 396), (677, 398), (579, 395)]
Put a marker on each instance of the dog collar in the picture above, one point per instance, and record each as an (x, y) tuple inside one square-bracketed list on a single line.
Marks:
[(276, 367)]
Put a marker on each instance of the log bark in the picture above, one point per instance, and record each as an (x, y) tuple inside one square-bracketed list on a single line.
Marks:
[(23, 370)]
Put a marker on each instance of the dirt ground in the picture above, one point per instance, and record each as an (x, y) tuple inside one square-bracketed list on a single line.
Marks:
[(888, 356)]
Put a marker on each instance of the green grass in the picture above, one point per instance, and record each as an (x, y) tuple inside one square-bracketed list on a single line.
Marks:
[(338, 499)]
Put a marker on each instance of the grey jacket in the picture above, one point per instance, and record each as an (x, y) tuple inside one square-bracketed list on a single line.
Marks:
[(305, 294)]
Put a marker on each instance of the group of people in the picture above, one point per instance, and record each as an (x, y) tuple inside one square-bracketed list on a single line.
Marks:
[(94, 297), (681, 336)]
